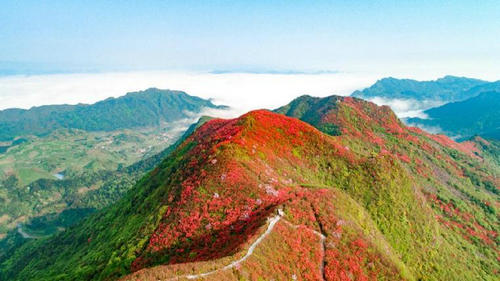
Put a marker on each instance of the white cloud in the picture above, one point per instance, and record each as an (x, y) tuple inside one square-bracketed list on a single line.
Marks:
[(180, 126), (405, 108), (242, 91), (430, 129)]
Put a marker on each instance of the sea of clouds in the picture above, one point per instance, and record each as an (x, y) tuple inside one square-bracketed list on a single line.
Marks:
[(241, 91), (406, 108)]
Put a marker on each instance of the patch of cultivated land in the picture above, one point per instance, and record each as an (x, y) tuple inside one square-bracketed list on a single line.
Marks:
[(71, 154), (77, 150)]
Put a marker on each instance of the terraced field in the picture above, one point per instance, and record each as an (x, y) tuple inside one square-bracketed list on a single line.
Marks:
[(40, 176), (69, 152)]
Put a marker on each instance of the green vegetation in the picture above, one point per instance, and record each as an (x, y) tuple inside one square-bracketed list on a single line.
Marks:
[(95, 170), (479, 115), (76, 196), (149, 108), (84, 162), (61, 157), (390, 201), (446, 89), (70, 152), (312, 110), (490, 149)]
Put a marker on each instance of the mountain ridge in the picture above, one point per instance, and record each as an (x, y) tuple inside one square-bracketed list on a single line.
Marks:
[(135, 109), (391, 201), (446, 89), (474, 116)]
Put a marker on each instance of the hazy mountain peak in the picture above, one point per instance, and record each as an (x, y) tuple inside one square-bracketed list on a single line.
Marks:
[(445, 89)]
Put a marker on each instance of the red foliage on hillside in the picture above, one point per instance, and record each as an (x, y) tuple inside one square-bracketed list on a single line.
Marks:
[(237, 172), (465, 223)]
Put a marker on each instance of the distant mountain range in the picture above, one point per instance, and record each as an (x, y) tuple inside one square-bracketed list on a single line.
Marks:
[(470, 106), (333, 188), (446, 89), (137, 109), (479, 115)]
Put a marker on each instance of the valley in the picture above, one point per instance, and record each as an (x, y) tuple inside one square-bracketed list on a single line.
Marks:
[(333, 188), (389, 200), (70, 152), (67, 155), (250, 140), (80, 171)]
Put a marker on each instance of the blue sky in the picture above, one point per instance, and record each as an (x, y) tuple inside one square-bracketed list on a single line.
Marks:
[(250, 35)]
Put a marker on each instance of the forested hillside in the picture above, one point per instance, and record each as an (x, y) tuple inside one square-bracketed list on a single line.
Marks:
[(370, 199), (479, 115), (138, 109)]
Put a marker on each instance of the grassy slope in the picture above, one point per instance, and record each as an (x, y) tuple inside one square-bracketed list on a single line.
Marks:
[(414, 210)]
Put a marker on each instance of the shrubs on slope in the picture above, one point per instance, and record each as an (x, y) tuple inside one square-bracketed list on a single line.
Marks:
[(372, 192)]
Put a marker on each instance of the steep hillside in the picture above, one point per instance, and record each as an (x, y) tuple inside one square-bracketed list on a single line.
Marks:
[(490, 149), (151, 162), (138, 109), (448, 88), (479, 115), (269, 196), (48, 206)]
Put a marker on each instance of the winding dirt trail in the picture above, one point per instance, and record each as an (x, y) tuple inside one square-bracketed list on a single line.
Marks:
[(23, 233), (272, 222), (270, 227), (322, 241)]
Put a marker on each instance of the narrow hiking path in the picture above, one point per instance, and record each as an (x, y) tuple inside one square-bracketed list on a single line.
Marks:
[(322, 241), (272, 222), (23, 233)]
